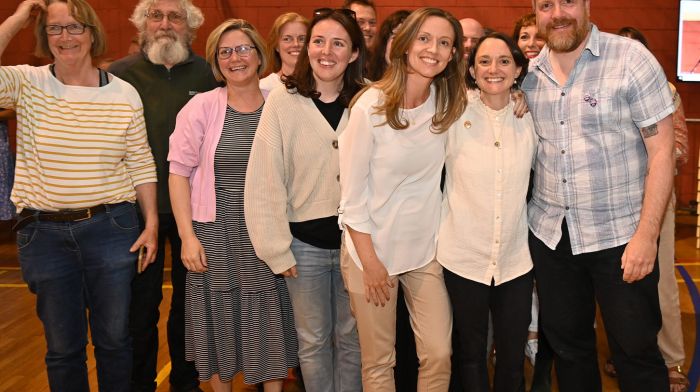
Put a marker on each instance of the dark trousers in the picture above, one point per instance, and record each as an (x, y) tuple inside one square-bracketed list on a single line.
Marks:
[(568, 286), (147, 294), (542, 373), (509, 304)]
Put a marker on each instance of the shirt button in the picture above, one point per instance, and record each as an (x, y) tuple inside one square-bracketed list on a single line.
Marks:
[(337, 178), (335, 144), (494, 263), (564, 181), (563, 151), (566, 208), (561, 122), (497, 144), (563, 93)]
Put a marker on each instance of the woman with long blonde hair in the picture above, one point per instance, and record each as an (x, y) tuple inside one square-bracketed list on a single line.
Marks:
[(391, 157)]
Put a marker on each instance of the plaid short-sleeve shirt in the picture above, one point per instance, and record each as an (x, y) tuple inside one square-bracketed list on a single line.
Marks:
[(591, 161)]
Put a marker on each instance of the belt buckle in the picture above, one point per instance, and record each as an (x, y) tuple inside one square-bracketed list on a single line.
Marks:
[(89, 215)]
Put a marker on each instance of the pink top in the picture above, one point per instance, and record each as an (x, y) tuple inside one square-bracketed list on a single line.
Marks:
[(192, 147)]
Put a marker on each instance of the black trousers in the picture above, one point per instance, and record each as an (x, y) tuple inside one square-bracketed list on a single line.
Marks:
[(509, 304), (569, 286), (146, 294)]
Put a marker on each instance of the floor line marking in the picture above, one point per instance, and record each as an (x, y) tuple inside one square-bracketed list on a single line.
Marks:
[(163, 373), (10, 268), (2, 272), (12, 285), (694, 371)]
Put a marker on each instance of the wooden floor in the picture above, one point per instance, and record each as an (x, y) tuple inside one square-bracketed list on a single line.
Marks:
[(22, 345)]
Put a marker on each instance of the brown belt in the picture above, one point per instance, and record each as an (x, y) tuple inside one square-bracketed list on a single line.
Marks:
[(29, 215)]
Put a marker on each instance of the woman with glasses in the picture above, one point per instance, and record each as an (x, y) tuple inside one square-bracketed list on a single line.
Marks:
[(292, 193), (238, 316), (82, 162), (286, 39), (391, 157)]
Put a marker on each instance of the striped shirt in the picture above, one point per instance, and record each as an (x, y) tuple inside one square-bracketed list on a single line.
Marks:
[(591, 161), (77, 146)]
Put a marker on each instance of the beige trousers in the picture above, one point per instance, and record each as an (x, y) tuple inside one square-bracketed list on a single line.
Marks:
[(431, 319), (670, 336)]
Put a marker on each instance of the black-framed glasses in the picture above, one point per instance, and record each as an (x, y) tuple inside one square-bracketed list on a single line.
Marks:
[(327, 11), (243, 51), (72, 29), (173, 17)]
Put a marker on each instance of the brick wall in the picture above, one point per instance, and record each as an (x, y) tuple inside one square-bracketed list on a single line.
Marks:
[(658, 19)]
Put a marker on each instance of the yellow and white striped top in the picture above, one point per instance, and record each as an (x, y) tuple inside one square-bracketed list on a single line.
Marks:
[(77, 146)]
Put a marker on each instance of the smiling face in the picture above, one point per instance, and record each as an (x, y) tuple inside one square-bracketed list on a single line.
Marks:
[(330, 51), (431, 49), (289, 45), (66, 48), (494, 69), (367, 19), (564, 23), (529, 41), (238, 70)]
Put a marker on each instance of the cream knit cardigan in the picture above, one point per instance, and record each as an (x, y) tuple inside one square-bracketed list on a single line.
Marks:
[(293, 174)]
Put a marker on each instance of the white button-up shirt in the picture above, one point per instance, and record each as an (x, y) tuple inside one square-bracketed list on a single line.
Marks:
[(390, 183), (483, 231)]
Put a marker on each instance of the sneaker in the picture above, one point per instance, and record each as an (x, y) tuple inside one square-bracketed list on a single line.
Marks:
[(531, 350)]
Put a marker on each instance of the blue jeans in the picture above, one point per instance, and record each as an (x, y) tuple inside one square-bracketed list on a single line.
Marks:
[(74, 266), (329, 349)]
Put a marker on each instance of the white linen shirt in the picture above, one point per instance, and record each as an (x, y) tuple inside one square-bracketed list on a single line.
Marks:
[(483, 230), (390, 183)]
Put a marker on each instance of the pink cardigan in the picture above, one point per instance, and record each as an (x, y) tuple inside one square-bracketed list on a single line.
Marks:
[(192, 147)]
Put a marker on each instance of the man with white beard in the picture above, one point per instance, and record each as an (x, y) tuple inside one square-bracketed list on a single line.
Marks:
[(166, 75)]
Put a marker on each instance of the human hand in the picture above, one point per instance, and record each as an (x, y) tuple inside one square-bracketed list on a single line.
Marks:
[(193, 257), (638, 258), (377, 283)]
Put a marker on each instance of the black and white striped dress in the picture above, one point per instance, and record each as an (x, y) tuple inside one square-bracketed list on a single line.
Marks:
[(238, 316)]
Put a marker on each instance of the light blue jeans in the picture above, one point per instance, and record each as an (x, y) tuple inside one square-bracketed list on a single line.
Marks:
[(329, 349)]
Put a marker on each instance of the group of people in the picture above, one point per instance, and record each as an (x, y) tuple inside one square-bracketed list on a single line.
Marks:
[(367, 160)]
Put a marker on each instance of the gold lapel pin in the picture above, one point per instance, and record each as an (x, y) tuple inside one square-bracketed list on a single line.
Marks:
[(467, 124)]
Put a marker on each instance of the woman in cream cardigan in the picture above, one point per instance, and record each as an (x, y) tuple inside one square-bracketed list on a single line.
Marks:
[(292, 193)]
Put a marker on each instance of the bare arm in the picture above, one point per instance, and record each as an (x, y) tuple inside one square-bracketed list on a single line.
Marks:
[(374, 274), (146, 195), (193, 256), (17, 21), (640, 253)]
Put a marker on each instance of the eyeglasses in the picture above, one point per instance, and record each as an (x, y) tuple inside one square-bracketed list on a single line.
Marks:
[(72, 29), (327, 11), (173, 17), (243, 51)]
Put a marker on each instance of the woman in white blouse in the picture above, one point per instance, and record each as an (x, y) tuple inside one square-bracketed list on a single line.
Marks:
[(391, 156), (483, 231)]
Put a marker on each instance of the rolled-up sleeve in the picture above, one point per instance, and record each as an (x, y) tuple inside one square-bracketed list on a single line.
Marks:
[(356, 145)]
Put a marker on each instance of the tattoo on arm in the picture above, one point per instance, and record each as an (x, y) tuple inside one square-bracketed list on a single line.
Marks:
[(649, 131)]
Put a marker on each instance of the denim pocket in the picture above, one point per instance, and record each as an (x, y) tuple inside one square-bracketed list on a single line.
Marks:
[(124, 218), (25, 236)]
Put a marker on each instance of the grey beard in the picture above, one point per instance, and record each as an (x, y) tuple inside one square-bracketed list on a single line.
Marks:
[(166, 51)]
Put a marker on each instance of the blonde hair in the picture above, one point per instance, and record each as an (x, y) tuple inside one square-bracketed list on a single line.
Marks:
[(449, 84), (83, 13), (230, 25), (274, 36)]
